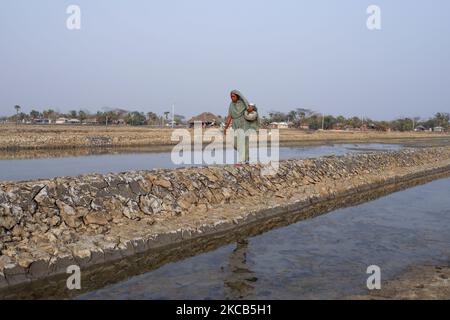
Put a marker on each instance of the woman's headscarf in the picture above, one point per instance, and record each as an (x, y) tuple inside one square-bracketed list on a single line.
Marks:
[(237, 109)]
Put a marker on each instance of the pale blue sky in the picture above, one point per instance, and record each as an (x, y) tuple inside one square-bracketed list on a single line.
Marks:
[(146, 55)]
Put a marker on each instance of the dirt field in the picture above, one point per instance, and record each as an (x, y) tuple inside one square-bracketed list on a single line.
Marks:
[(26, 137)]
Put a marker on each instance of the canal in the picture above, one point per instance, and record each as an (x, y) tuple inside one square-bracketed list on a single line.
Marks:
[(322, 258), (45, 168)]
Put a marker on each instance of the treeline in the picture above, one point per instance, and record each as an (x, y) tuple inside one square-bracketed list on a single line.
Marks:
[(298, 118), (308, 119), (117, 116)]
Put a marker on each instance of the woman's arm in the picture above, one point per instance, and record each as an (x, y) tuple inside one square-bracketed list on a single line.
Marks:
[(227, 124)]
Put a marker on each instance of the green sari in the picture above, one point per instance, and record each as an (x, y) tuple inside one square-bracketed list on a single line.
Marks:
[(236, 112)]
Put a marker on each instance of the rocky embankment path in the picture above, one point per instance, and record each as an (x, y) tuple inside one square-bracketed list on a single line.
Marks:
[(47, 225)]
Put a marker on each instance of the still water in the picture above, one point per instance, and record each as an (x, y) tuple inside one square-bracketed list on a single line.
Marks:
[(325, 257), (31, 169)]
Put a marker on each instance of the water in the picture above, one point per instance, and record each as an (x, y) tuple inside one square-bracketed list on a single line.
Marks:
[(321, 258), (31, 169)]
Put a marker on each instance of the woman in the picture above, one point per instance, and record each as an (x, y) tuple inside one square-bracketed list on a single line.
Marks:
[(236, 117)]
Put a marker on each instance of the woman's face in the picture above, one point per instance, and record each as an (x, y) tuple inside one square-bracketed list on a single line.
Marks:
[(234, 97)]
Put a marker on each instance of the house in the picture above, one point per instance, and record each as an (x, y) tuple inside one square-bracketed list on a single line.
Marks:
[(206, 119), (67, 121), (42, 121), (73, 121), (171, 123), (420, 128), (438, 129), (61, 121), (120, 122), (90, 121), (279, 125), (304, 127)]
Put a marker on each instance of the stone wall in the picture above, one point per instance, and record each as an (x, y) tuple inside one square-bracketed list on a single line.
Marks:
[(44, 221)]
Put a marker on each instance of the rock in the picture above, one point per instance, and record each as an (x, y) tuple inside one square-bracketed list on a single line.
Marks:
[(24, 259), (4, 261), (42, 197), (184, 204), (187, 200), (114, 207), (162, 183), (80, 251), (68, 214), (32, 207), (131, 210), (210, 176), (55, 220), (17, 231), (95, 218), (226, 193), (7, 222), (150, 204), (280, 194)]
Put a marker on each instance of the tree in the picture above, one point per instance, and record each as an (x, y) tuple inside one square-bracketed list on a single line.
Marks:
[(135, 118), (107, 117), (329, 122), (442, 119), (50, 114), (180, 118), (292, 115), (82, 115), (152, 118), (403, 124), (278, 116), (35, 114), (72, 113), (17, 107), (315, 122)]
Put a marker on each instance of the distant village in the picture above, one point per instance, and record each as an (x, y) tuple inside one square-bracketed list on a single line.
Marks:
[(300, 118)]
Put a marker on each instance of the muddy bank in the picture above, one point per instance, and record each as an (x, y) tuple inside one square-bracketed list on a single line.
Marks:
[(92, 219), (417, 283), (57, 137)]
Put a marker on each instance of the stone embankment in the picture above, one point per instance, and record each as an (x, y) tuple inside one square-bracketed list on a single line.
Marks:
[(47, 225)]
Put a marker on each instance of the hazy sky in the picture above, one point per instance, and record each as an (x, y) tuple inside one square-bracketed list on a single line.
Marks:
[(146, 55)]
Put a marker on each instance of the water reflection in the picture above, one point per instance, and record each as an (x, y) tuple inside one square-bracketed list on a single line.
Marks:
[(239, 280)]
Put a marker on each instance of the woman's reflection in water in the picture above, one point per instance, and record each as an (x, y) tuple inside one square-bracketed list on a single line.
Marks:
[(240, 280)]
